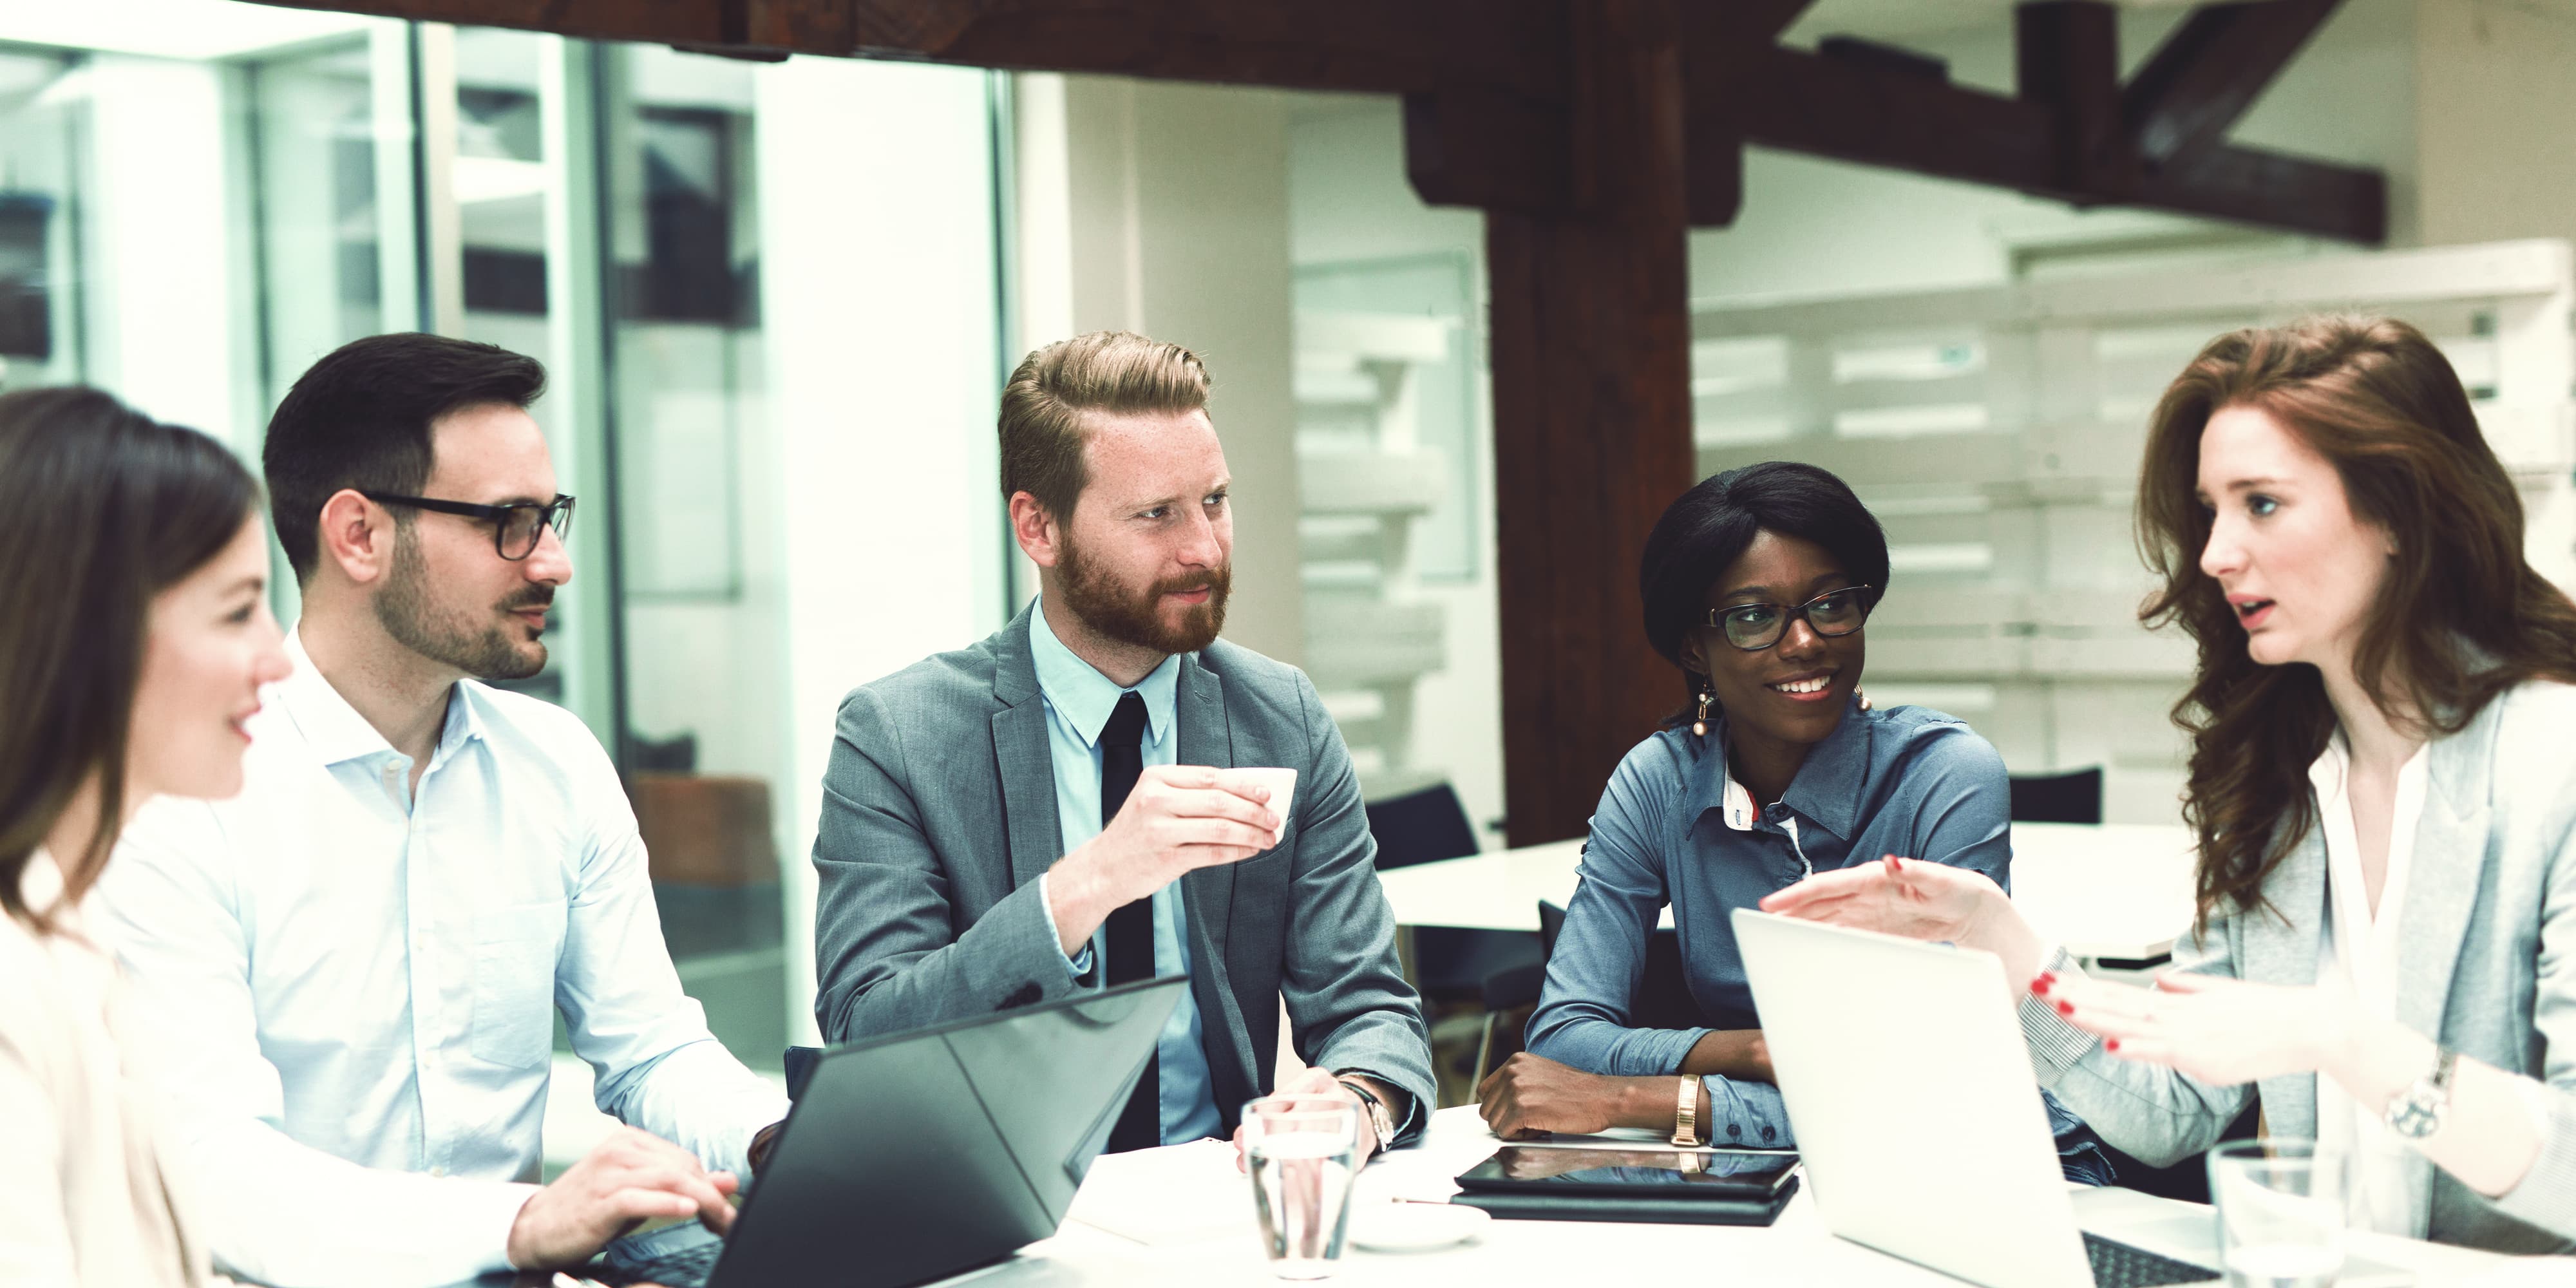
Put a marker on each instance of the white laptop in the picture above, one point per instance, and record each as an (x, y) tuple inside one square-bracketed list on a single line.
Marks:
[(1910, 1092)]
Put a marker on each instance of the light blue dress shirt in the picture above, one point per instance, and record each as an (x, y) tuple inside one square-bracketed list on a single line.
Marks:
[(1079, 700), (348, 986)]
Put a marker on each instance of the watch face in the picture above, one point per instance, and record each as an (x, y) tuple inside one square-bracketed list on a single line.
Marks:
[(2414, 1118)]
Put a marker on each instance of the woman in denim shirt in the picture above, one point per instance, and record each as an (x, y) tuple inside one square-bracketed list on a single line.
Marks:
[(1756, 584)]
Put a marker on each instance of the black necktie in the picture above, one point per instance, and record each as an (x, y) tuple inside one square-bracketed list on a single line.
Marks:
[(1131, 927)]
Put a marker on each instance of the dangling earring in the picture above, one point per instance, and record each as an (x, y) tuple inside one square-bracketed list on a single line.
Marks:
[(1864, 698), (1699, 727)]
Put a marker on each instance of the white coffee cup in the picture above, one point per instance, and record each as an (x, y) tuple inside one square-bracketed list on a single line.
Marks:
[(1283, 791)]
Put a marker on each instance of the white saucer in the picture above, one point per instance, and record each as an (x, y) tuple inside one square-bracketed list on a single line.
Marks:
[(1415, 1227)]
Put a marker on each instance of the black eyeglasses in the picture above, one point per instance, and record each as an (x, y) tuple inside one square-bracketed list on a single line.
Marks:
[(515, 527), (1755, 627)]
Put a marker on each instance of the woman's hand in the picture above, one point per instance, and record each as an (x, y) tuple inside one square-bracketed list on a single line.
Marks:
[(1913, 899), (2217, 1030)]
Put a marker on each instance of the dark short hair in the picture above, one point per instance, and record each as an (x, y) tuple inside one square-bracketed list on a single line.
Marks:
[(1707, 530), (101, 508), (1118, 372), (361, 418)]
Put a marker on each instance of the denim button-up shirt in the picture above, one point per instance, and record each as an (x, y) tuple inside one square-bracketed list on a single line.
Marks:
[(1675, 828)]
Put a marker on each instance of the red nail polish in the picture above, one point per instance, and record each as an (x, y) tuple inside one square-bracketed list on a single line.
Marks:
[(2041, 984), (2111, 1044), (2066, 1008), (1895, 864)]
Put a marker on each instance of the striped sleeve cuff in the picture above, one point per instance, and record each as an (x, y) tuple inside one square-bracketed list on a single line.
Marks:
[(2055, 1045)]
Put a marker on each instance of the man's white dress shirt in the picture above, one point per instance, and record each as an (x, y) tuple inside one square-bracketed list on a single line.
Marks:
[(351, 985)]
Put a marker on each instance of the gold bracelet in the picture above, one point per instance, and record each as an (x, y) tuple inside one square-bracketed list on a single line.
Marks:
[(1686, 1114)]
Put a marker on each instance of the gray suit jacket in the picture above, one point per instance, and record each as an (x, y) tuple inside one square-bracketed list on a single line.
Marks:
[(2488, 967), (939, 815)]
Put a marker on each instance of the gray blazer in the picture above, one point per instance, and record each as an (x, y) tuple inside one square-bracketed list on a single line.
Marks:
[(939, 815), (2488, 967)]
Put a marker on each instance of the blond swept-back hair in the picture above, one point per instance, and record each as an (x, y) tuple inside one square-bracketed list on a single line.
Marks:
[(1117, 372)]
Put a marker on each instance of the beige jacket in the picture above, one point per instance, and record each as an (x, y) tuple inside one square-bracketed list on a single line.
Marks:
[(83, 1200)]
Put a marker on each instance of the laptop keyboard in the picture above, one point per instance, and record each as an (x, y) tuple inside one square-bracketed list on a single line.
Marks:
[(2117, 1265)]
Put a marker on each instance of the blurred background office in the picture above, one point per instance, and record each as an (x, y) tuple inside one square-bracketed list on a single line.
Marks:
[(778, 299)]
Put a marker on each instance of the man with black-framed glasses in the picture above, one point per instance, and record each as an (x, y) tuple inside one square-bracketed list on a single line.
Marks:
[(349, 975)]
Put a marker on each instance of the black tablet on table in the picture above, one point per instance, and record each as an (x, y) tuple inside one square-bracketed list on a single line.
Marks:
[(1550, 1183)]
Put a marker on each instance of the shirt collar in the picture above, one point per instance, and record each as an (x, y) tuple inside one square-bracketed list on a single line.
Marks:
[(1827, 789), (336, 731), (1085, 697)]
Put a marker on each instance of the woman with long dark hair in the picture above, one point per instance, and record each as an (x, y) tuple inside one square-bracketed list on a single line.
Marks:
[(134, 636), (2380, 789), (1756, 585)]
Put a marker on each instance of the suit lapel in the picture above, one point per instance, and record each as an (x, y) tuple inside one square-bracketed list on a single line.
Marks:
[(2443, 876), (1034, 833), (2283, 950), (1206, 739)]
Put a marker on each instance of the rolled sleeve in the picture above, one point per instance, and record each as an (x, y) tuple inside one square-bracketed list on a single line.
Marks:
[(1751, 1114)]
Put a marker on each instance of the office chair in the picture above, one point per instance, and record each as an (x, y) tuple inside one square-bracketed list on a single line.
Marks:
[(2058, 798), (1427, 826)]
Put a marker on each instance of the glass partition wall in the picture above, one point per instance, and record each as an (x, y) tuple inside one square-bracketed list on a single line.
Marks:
[(192, 212)]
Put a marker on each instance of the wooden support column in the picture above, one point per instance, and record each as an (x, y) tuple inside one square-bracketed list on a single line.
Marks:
[(1592, 420)]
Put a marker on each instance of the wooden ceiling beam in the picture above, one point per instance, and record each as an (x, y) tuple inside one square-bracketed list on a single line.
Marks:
[(2209, 70), (1855, 111), (1505, 47)]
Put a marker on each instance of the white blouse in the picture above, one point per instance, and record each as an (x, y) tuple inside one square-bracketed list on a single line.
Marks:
[(84, 1200), (2358, 952)]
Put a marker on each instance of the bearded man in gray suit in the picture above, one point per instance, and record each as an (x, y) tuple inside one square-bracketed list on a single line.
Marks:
[(1048, 810)]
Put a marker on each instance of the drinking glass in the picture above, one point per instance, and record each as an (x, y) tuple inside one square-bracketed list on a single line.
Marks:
[(1302, 1152), (2280, 1213)]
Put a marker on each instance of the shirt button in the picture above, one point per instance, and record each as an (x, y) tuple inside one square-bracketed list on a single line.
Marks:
[(1735, 1130), (1768, 1134)]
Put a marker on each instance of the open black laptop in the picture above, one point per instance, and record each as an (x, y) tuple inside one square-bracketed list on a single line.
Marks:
[(920, 1155)]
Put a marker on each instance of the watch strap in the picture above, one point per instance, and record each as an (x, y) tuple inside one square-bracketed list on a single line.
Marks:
[(1686, 1113)]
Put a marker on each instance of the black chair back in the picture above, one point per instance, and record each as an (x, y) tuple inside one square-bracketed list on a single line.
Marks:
[(1421, 827), (2058, 798)]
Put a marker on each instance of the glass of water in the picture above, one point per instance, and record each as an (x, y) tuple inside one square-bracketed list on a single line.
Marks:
[(2280, 1213), (1302, 1152)]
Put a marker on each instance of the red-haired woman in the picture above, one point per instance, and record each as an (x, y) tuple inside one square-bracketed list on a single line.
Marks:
[(2383, 788)]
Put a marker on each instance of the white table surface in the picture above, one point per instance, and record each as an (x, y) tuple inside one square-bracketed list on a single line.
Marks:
[(1795, 1250), (2107, 890)]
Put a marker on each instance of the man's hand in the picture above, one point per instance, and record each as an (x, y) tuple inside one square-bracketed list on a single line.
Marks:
[(629, 1178), (1322, 1084), (1178, 818), (1531, 1095)]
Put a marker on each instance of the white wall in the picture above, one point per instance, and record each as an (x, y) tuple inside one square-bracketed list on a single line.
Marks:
[(877, 282), (1349, 200), (1163, 209), (2495, 108), (167, 296)]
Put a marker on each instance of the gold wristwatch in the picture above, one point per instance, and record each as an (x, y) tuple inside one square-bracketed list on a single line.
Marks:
[(1686, 1114)]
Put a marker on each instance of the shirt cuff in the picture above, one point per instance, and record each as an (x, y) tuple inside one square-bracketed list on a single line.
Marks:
[(1747, 1114), (507, 1199), (1078, 964), (2055, 1045)]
